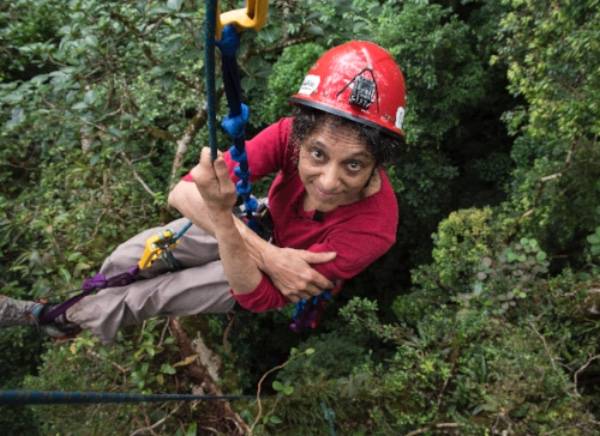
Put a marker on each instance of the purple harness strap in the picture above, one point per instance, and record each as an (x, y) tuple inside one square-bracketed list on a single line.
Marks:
[(95, 283)]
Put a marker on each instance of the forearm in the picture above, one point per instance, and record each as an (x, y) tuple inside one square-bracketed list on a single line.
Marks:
[(242, 272), (257, 246), (187, 200)]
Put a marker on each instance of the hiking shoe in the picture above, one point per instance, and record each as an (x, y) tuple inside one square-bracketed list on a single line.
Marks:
[(17, 312), (59, 327), (22, 312)]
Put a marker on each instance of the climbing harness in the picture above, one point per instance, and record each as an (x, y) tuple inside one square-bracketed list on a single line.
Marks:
[(19, 397)]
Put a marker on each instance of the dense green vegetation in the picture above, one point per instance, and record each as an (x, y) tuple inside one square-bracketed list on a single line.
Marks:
[(484, 318)]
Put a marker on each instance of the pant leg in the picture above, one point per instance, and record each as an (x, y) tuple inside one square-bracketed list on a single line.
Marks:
[(201, 287), (195, 248)]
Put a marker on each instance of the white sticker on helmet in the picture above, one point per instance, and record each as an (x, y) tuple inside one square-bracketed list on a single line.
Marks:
[(399, 117), (310, 84)]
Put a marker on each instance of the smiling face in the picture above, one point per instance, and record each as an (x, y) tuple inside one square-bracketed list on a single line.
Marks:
[(335, 167)]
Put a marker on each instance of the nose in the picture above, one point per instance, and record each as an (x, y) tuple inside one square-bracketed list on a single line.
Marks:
[(329, 179)]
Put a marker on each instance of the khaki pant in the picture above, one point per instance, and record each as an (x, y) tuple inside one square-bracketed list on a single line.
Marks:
[(200, 287)]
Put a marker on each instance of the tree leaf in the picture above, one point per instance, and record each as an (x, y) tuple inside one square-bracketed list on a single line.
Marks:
[(187, 361), (167, 369), (278, 386), (275, 419), (174, 5), (17, 116)]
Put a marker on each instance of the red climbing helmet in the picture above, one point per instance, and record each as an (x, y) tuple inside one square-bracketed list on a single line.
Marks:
[(359, 81)]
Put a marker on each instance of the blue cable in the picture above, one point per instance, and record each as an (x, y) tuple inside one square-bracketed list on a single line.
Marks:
[(19, 397), (209, 72), (209, 76)]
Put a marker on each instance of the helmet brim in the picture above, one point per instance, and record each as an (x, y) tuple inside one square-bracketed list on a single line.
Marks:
[(333, 111)]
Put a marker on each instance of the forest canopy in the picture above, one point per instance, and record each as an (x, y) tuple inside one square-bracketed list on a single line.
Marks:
[(483, 318)]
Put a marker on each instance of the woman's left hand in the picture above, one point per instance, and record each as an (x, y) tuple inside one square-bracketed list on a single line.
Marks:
[(214, 184)]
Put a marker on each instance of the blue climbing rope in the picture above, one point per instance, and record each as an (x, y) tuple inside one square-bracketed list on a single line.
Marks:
[(235, 122), (181, 232)]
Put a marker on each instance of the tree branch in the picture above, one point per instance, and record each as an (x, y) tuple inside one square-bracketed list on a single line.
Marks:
[(137, 176), (142, 38), (441, 425), (543, 180), (202, 376), (546, 348), (156, 424), (259, 388), (198, 121), (580, 370)]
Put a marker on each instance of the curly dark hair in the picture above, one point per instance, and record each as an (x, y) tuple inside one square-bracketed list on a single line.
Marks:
[(380, 144)]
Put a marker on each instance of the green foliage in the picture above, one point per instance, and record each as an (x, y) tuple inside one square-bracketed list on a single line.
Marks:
[(444, 74), (325, 364), (476, 368), (490, 327), (510, 278), (21, 349), (28, 34), (494, 168), (140, 362), (287, 74), (462, 240), (51, 242), (553, 57), (594, 241)]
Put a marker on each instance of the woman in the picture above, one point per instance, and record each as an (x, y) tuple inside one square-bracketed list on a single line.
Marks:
[(332, 207)]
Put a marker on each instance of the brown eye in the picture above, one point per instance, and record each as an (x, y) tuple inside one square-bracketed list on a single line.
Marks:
[(355, 166), (317, 154)]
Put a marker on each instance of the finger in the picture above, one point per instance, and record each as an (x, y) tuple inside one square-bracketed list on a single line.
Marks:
[(205, 158), (318, 280), (203, 171), (304, 295), (221, 169), (313, 290), (196, 172), (312, 257)]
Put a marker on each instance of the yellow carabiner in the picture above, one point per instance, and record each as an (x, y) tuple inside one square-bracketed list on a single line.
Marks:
[(154, 248), (254, 16)]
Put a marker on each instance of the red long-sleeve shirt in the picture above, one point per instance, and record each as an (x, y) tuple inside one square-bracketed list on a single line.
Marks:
[(359, 232)]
